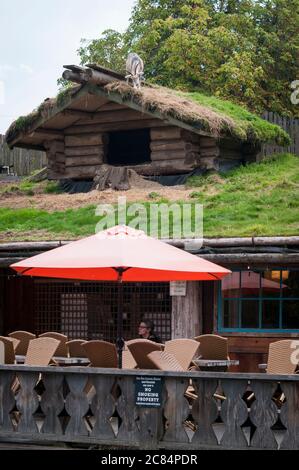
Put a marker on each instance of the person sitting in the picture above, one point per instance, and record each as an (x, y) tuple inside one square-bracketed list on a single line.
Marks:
[(146, 330)]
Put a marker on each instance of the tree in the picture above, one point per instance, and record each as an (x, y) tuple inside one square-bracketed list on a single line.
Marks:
[(243, 50)]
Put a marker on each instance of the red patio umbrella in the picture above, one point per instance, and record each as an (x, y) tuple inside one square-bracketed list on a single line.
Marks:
[(120, 254), (250, 285)]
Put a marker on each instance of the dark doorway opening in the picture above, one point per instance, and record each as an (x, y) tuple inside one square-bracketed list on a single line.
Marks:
[(129, 147)]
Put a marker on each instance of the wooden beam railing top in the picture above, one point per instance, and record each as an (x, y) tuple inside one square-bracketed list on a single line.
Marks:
[(98, 407)]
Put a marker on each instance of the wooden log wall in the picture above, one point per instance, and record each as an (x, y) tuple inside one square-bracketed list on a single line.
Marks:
[(56, 159), (174, 150), (209, 154), (84, 154)]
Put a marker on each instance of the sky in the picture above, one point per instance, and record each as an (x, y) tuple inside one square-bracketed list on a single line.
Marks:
[(38, 37)]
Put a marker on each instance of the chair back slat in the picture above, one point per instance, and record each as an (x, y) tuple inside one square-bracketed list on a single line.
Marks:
[(164, 361), (183, 349), (41, 351), (9, 349), (140, 348), (213, 347), (101, 353), (75, 348), (62, 349), (24, 337), (279, 357)]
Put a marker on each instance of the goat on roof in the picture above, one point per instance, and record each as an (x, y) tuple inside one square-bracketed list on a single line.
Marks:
[(134, 68)]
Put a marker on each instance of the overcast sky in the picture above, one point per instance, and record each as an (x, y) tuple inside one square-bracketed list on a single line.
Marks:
[(37, 37)]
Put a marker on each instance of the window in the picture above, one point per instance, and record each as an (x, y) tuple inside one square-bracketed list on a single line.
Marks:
[(256, 300)]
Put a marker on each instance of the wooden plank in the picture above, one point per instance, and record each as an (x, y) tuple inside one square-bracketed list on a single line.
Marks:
[(105, 117), (84, 160), (186, 313), (166, 133), (168, 155), (84, 140), (79, 172), (84, 150), (234, 413), (166, 145), (118, 126)]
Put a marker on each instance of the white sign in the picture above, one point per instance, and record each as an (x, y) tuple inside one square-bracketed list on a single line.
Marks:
[(178, 288)]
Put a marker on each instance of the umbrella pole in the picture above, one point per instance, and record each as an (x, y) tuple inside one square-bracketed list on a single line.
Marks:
[(120, 303)]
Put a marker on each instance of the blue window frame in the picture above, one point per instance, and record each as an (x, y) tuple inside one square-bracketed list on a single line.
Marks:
[(259, 301)]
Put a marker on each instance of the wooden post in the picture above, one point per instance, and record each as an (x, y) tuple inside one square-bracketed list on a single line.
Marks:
[(186, 321)]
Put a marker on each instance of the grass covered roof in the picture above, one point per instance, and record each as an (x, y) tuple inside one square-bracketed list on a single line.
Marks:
[(219, 118)]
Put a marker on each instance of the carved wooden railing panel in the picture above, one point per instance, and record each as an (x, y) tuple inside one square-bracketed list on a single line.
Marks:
[(7, 400), (103, 407), (97, 406), (289, 415), (234, 413), (205, 412), (27, 402), (263, 414), (176, 410)]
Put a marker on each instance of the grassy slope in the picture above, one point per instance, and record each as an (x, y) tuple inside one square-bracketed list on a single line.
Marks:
[(258, 199), (247, 123)]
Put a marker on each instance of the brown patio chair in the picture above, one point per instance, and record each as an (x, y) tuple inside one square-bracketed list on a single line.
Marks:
[(140, 348), (24, 337), (183, 349), (279, 358), (62, 349), (101, 353), (212, 347), (164, 361), (75, 348), (128, 361), (9, 349), (41, 351)]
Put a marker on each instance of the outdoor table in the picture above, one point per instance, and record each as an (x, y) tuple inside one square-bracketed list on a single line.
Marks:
[(63, 361), (215, 362)]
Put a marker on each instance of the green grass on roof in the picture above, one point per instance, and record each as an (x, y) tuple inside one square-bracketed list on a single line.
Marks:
[(249, 125)]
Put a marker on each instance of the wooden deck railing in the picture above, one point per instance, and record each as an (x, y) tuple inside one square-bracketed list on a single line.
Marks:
[(97, 407)]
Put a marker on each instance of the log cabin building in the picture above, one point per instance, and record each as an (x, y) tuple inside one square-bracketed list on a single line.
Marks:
[(153, 130), (255, 305)]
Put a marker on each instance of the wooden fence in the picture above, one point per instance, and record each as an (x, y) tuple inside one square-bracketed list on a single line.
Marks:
[(97, 407), (291, 126), (24, 161)]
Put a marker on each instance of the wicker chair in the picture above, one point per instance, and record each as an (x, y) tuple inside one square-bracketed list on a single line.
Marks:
[(140, 348), (75, 348), (62, 349), (128, 361), (213, 347), (279, 358), (9, 349), (41, 351), (183, 349), (164, 361), (101, 353), (24, 337)]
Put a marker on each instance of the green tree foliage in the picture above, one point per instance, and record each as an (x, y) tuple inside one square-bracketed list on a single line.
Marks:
[(242, 50)]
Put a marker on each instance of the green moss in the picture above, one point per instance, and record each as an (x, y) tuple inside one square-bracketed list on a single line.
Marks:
[(248, 125)]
